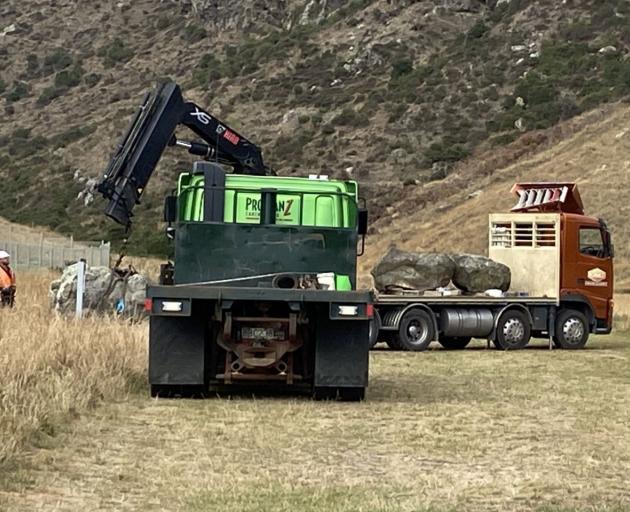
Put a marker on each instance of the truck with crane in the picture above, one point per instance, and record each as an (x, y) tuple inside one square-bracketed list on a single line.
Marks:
[(561, 264), (261, 292)]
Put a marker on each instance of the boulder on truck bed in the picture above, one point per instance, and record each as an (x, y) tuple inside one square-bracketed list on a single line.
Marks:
[(401, 270), (107, 290), (475, 274)]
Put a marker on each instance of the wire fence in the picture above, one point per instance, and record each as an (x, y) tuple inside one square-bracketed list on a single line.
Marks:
[(54, 252)]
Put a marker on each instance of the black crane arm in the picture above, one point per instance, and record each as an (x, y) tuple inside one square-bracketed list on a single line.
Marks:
[(151, 131)]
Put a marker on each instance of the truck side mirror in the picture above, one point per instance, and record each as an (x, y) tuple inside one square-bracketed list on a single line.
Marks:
[(362, 221), (170, 209)]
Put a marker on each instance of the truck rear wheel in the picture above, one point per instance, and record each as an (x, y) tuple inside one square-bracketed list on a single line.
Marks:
[(513, 331), (354, 394), (572, 329), (351, 394), (416, 330), (391, 340), (375, 328), (454, 342), (177, 391)]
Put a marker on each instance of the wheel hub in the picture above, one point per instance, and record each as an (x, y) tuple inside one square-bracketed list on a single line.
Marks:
[(513, 331), (417, 332), (573, 330)]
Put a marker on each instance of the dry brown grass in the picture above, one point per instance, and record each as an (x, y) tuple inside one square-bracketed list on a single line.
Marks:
[(475, 430), (622, 312), (52, 366)]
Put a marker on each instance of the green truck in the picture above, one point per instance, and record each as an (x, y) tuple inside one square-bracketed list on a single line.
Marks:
[(261, 293)]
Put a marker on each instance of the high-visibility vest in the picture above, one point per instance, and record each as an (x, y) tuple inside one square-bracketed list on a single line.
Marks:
[(7, 277)]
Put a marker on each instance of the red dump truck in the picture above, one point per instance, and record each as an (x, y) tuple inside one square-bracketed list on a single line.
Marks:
[(561, 289)]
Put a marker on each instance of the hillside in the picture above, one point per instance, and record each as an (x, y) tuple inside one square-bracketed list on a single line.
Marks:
[(392, 94)]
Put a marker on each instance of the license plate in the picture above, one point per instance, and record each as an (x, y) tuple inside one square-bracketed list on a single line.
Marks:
[(261, 333)]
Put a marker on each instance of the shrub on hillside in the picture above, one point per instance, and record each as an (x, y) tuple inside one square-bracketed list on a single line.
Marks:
[(401, 67), (194, 33), (478, 30), (56, 61), (48, 94), (92, 79), (445, 152), (208, 70), (69, 77), (115, 52), (350, 117), (20, 90)]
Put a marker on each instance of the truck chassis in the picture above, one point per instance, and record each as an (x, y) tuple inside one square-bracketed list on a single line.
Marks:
[(412, 322), (196, 341)]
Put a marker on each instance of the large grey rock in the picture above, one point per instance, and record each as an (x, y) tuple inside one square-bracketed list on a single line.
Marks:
[(400, 270), (103, 291), (477, 273)]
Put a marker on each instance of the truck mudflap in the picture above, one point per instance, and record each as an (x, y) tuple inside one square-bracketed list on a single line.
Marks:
[(207, 336)]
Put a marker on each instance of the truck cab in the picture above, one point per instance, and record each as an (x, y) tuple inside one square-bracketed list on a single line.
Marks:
[(587, 268), (554, 250)]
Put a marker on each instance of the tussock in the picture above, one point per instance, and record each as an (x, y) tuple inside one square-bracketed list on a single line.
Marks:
[(52, 366)]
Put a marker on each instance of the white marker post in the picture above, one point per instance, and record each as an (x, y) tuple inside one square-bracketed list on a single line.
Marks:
[(80, 288)]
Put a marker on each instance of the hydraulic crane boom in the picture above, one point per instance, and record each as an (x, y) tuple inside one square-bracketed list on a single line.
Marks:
[(151, 130)]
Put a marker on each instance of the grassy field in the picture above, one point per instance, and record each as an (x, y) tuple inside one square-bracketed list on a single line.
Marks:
[(473, 430), (52, 368)]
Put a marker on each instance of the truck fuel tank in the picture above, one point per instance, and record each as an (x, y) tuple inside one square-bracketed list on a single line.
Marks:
[(477, 323)]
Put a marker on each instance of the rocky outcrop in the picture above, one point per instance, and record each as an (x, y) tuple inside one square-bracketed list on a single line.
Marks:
[(476, 274), (400, 270), (106, 291)]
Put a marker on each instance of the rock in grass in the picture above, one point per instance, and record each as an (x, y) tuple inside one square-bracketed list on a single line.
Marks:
[(106, 291)]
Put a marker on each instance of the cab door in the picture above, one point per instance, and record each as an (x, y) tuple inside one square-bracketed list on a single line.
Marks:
[(594, 268)]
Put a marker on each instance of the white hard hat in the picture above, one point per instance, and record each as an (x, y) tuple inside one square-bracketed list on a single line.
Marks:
[(4, 254)]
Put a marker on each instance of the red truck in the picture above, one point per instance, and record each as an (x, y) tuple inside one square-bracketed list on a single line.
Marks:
[(561, 264)]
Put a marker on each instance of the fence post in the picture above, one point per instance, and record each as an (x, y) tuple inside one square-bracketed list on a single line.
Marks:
[(41, 250), (80, 288)]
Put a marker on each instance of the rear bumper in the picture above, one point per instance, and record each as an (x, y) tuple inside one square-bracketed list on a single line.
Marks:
[(183, 348), (186, 295)]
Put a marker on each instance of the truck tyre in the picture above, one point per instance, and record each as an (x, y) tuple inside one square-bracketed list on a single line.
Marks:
[(572, 329), (391, 340), (375, 327), (416, 330), (351, 394), (513, 331), (454, 342), (177, 391), (325, 393)]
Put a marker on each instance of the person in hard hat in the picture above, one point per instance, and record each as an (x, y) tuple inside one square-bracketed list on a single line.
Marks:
[(7, 281)]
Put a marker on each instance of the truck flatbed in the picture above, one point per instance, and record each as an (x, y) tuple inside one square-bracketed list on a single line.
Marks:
[(463, 300)]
